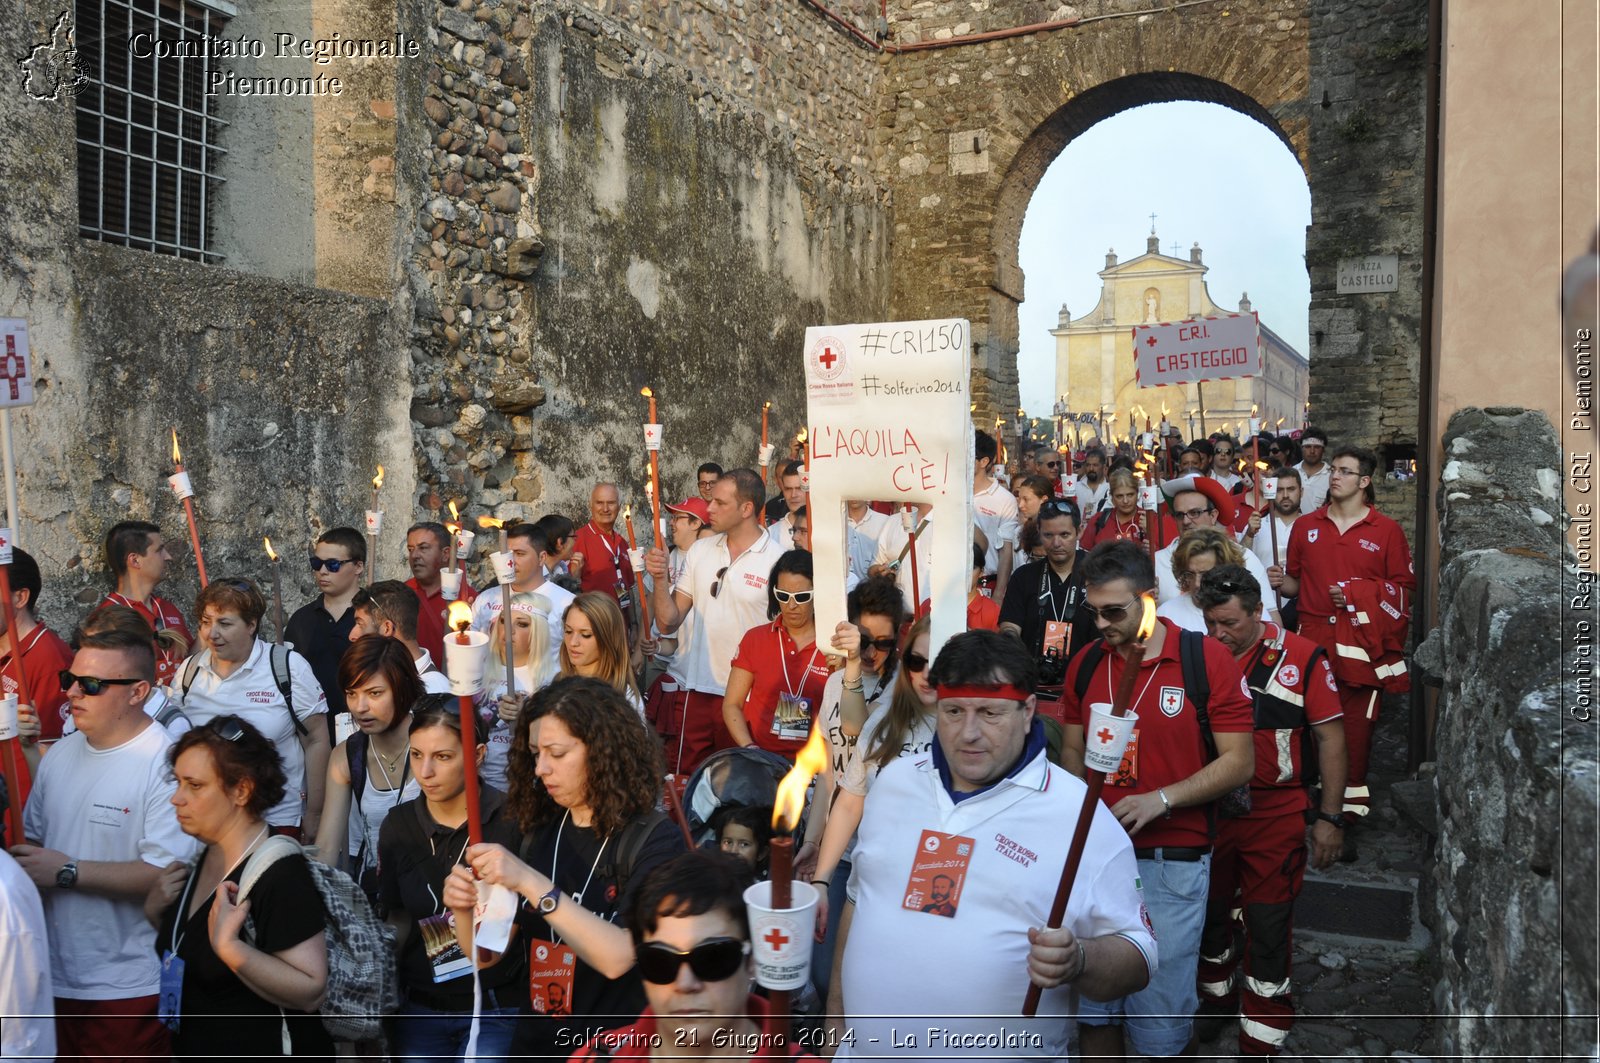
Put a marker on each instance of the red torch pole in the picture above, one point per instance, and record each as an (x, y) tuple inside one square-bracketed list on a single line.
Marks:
[(17, 766), (188, 512)]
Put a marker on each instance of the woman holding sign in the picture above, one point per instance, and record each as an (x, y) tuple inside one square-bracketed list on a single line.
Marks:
[(421, 840), (585, 781)]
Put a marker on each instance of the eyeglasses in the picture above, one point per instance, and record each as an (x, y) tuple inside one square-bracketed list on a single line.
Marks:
[(1194, 514), (1051, 464), (1274, 450), (716, 582), (1111, 614), (916, 663), (1345, 472), (332, 564), (711, 961), (91, 684), (797, 597)]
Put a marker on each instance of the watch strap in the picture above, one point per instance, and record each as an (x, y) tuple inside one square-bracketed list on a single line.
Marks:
[(550, 901)]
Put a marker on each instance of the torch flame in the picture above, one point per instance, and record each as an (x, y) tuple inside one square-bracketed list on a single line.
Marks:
[(801, 435), (377, 481), (627, 512), (455, 514), (272, 555), (646, 392), (1163, 411), (1147, 625), (1252, 409), (1279, 424), (1263, 465), (812, 758), (766, 405), (460, 615), (491, 522), (177, 455)]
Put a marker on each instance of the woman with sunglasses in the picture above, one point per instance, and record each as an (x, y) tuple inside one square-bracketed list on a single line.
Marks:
[(691, 940), (232, 672), (585, 783), (1123, 519), (421, 841), (368, 773), (531, 668), (778, 675), (902, 728), (232, 994), (594, 643)]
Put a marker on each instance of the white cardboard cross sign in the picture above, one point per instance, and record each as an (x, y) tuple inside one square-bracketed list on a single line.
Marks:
[(889, 412)]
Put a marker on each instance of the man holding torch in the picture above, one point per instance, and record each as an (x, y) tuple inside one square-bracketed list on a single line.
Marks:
[(137, 555), (1191, 745), (984, 810), (429, 550)]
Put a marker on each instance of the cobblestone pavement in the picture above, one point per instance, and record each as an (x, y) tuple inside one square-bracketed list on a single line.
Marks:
[(1357, 997)]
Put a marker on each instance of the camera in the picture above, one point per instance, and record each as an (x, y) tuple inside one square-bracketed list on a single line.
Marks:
[(1052, 668)]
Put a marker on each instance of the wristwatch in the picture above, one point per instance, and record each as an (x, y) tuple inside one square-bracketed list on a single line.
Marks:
[(67, 877), (549, 901), (1336, 818)]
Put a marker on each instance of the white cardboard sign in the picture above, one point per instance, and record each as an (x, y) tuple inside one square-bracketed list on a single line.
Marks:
[(889, 415), (1199, 349), (16, 363)]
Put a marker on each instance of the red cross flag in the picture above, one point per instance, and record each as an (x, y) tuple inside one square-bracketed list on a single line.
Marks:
[(1200, 349), (16, 367)]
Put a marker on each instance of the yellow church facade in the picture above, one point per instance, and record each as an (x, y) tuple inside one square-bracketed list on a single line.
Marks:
[(1094, 357)]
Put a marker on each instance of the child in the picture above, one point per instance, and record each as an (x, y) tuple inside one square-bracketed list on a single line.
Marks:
[(983, 612), (746, 832), (530, 647)]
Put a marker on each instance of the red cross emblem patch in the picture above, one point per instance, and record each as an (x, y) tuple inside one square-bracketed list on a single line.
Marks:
[(1288, 675), (1171, 700)]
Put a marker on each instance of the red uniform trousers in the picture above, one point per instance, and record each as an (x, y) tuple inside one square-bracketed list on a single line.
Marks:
[(110, 1029), (689, 722), (1361, 705), (1256, 871)]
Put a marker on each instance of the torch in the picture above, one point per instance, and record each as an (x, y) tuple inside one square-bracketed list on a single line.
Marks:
[(277, 589), (908, 520), (1107, 741), (636, 558), (1269, 493), (782, 929), (1148, 501), (449, 578), (652, 444), (764, 455), (465, 656), (505, 573), (179, 482), (374, 526)]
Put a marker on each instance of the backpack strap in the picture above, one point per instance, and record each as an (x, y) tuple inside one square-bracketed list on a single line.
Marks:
[(171, 711), (1192, 654), (285, 681), (1090, 660), (630, 841), (275, 848), (355, 756), (186, 680)]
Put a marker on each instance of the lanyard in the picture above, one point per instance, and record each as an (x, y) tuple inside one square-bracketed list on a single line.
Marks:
[(1069, 600), (1110, 693), (556, 855), (181, 924), (616, 554), (783, 662), (437, 903)]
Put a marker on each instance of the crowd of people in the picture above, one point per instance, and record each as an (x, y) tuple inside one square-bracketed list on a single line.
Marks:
[(163, 892)]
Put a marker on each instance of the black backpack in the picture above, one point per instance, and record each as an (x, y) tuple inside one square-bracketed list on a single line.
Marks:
[(280, 675)]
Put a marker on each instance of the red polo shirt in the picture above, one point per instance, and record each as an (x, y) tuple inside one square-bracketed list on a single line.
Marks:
[(983, 614), (44, 656), (605, 560), (1167, 746), (780, 667), (431, 617), (1319, 555), (162, 616)]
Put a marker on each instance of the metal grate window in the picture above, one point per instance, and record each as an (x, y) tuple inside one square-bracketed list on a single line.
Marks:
[(147, 132)]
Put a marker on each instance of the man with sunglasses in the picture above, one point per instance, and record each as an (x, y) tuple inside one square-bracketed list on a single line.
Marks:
[(724, 582), (985, 808), (1223, 466), (1348, 542), (1314, 474), (320, 630), (1164, 788), (1260, 858), (1041, 605), (100, 830)]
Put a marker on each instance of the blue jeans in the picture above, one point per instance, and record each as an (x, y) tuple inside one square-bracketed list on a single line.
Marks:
[(423, 1034), (822, 952), (1158, 1020)]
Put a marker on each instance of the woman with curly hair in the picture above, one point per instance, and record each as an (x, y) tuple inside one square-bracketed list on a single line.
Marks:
[(1199, 550), (585, 781)]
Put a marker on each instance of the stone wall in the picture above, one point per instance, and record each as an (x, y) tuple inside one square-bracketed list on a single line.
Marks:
[(600, 218), (1512, 896)]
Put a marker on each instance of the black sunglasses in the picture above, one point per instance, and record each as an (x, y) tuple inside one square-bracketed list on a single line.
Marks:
[(915, 662), (1052, 464), (711, 961), (1059, 509), (332, 564), (881, 645), (1111, 614), (716, 584), (91, 685)]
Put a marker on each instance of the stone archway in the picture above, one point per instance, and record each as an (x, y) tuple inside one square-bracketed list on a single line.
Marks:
[(972, 130)]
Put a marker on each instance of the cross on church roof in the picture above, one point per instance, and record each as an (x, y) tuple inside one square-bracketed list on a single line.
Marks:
[(1152, 224), (1175, 249)]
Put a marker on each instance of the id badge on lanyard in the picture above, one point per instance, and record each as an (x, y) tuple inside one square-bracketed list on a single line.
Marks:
[(938, 873), (170, 1004), (551, 969), (444, 952), (791, 717)]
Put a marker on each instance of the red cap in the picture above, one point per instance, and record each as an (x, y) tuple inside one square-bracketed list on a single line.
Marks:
[(694, 507), (1218, 495)]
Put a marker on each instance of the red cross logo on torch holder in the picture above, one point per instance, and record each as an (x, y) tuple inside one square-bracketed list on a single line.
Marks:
[(776, 938), (1105, 735)]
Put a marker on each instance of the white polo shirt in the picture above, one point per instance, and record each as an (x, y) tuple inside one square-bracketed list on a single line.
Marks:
[(1261, 547), (113, 805), (721, 620), (995, 511), (433, 680), (891, 540), (963, 970), (1091, 500), (1313, 487), (862, 539), (251, 693)]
